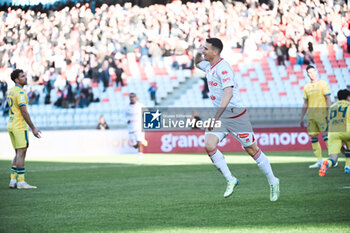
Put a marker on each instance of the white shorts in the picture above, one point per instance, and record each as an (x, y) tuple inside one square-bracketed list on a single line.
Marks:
[(239, 127), (136, 136)]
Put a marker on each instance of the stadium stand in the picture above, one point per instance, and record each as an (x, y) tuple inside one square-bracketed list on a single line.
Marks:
[(274, 86), (254, 55)]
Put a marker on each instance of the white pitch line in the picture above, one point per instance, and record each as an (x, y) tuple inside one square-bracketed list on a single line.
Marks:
[(45, 169), (130, 160)]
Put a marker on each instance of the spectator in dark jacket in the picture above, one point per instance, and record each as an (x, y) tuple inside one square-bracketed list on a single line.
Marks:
[(102, 124)]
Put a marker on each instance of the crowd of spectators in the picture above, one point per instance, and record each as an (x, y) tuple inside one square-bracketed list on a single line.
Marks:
[(72, 48)]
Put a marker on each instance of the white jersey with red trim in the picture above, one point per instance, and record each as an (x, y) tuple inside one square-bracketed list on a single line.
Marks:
[(134, 115), (220, 76)]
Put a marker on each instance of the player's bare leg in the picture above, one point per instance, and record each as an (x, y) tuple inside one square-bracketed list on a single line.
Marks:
[(317, 151), (20, 160), (325, 137), (219, 162), (140, 154), (13, 181), (264, 166)]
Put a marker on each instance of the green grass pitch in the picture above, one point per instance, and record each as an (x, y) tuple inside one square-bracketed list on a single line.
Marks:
[(174, 193)]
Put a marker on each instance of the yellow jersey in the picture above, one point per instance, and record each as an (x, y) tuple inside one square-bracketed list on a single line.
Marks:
[(315, 93), (339, 116), (16, 98)]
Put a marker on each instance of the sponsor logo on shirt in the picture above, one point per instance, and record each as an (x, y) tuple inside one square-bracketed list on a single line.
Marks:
[(243, 135), (212, 83), (212, 97)]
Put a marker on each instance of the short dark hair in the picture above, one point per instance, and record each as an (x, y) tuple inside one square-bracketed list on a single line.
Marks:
[(309, 67), (132, 93), (216, 43), (343, 94), (15, 74)]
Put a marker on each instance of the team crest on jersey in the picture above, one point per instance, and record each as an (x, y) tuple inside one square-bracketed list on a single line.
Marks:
[(224, 72)]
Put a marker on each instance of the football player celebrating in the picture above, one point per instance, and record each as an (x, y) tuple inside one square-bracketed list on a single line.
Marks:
[(224, 94)]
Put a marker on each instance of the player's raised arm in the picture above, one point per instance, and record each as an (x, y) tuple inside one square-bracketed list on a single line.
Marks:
[(199, 56)]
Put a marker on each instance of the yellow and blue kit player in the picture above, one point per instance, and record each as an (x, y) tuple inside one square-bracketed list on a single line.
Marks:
[(339, 132), (316, 102), (19, 120)]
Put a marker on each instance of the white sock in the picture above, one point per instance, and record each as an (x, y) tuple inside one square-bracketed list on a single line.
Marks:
[(320, 161), (140, 155), (219, 162), (265, 167)]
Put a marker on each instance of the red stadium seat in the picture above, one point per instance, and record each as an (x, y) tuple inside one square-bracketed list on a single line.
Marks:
[(235, 68), (160, 71), (292, 60), (282, 94), (118, 89), (269, 78), (300, 77), (113, 77), (126, 70), (331, 77), (142, 72), (264, 85)]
